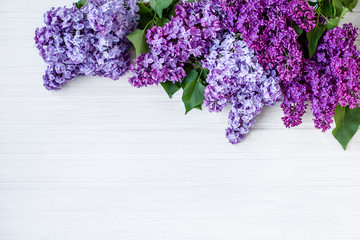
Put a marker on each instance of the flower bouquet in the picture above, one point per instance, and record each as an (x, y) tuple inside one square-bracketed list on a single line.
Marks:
[(247, 54)]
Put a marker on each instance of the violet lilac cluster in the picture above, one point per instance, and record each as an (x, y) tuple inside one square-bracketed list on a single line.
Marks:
[(267, 27), (87, 41), (236, 77), (330, 77), (187, 36)]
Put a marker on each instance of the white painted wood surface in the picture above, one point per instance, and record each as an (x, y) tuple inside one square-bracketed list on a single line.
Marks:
[(103, 160)]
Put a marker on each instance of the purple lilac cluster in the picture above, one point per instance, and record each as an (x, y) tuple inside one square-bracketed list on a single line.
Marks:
[(295, 96), (267, 27), (321, 91), (236, 77), (117, 16), (89, 41), (187, 36), (339, 47), (330, 77)]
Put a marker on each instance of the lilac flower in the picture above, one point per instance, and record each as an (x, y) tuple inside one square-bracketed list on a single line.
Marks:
[(236, 77), (57, 75), (339, 47), (84, 43), (117, 16), (294, 105), (187, 36), (330, 77), (266, 26)]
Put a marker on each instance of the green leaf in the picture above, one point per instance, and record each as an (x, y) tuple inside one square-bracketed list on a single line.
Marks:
[(192, 76), (160, 5), (160, 22), (313, 37), (347, 123), (313, 3), (138, 39), (338, 8), (171, 88), (350, 4), (298, 30), (326, 9), (204, 74), (143, 9), (170, 11), (146, 15), (81, 3), (199, 107), (332, 23), (193, 95)]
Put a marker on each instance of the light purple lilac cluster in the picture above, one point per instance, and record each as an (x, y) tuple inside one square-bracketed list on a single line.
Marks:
[(187, 36), (267, 27), (117, 16), (89, 41), (236, 77), (331, 77)]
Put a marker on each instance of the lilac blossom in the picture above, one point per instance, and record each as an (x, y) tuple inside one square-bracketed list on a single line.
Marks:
[(75, 42), (187, 36), (117, 16), (267, 27), (236, 77), (338, 46), (330, 77), (295, 97)]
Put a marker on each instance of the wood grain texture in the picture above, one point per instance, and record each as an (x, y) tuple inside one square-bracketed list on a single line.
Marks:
[(102, 160)]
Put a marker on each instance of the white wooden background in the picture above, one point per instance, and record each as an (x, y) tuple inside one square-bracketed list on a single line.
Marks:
[(100, 160)]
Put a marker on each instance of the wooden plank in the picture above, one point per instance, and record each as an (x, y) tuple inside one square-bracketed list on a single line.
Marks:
[(103, 160)]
